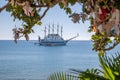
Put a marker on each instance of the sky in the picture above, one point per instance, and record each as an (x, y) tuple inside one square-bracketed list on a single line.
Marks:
[(54, 15)]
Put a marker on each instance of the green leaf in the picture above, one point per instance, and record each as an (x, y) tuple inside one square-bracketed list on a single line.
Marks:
[(61, 5), (9, 8), (68, 11), (107, 71), (39, 23), (72, 2), (116, 73), (62, 76), (25, 26), (32, 31)]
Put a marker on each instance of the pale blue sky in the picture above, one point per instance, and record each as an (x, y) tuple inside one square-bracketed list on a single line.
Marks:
[(54, 15)]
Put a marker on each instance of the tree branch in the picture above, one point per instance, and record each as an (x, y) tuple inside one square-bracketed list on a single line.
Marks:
[(37, 6), (2, 8), (44, 13), (111, 47)]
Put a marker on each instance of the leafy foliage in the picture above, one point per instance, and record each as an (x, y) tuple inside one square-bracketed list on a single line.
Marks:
[(111, 66), (106, 28), (89, 74), (62, 76)]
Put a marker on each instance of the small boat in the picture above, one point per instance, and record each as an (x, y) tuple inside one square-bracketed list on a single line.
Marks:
[(53, 39)]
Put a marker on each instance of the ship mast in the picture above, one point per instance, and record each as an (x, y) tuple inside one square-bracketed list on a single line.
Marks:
[(61, 31), (49, 29), (39, 39), (53, 29), (45, 32), (57, 29)]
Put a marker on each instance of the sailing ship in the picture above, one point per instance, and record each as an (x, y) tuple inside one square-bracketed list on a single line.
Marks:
[(53, 39)]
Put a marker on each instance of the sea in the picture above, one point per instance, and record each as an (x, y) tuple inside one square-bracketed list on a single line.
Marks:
[(27, 61)]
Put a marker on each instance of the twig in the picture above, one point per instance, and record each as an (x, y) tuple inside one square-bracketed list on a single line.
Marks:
[(2, 8), (37, 6), (44, 13), (111, 47)]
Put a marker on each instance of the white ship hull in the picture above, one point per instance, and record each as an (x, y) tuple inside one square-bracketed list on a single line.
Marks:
[(53, 43)]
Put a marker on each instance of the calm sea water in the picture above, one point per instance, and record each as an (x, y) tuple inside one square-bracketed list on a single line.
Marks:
[(26, 61)]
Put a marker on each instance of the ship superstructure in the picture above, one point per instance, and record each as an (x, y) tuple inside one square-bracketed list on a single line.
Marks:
[(53, 39)]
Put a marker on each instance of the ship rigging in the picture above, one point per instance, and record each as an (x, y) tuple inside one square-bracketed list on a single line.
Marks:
[(53, 39)]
